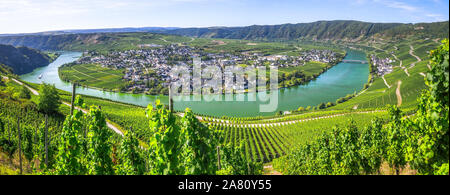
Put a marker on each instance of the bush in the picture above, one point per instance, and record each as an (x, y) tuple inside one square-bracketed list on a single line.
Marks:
[(24, 93), (49, 100)]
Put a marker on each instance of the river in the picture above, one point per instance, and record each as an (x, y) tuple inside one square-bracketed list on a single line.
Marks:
[(340, 80)]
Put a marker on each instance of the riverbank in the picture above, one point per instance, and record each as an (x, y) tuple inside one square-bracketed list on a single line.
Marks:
[(95, 77), (336, 82)]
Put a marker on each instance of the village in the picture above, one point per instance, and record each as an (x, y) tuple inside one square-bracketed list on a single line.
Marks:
[(148, 70)]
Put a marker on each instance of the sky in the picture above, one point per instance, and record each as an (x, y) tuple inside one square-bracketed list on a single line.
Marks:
[(26, 16)]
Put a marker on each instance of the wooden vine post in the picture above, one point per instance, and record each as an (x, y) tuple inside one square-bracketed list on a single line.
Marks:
[(73, 98), (218, 157), (9, 133), (170, 99), (46, 140)]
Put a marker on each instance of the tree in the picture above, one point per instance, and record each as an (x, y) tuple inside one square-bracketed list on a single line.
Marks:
[(49, 100)]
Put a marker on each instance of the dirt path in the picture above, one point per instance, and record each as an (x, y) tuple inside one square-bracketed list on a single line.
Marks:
[(406, 71), (20, 83), (396, 58), (385, 82), (436, 41), (268, 170), (110, 126), (399, 95), (401, 62)]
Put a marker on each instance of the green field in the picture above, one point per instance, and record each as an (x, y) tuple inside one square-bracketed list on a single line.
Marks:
[(93, 75)]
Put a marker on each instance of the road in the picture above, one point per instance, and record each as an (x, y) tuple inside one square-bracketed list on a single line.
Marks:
[(406, 71), (411, 52)]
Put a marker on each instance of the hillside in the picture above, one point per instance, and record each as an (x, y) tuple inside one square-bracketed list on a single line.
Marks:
[(340, 30), (321, 30), (22, 59), (86, 41)]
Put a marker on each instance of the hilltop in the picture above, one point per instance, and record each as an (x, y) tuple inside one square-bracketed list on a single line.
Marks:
[(23, 59), (321, 30), (338, 30)]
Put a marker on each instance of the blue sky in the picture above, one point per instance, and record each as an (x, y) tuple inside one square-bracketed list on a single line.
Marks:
[(23, 16)]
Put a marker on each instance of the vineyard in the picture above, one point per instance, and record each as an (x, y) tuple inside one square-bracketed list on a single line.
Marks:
[(312, 141), (420, 140), (92, 75), (264, 142)]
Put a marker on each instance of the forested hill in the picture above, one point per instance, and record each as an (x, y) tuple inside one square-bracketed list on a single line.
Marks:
[(321, 30), (346, 31), (22, 59)]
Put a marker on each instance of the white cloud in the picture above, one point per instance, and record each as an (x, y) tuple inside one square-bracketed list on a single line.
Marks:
[(437, 17), (398, 5)]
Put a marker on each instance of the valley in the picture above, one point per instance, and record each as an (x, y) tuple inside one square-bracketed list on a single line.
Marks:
[(325, 92)]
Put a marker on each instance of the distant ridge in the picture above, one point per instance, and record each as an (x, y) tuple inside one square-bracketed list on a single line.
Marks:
[(347, 30), (100, 30), (338, 30), (22, 59)]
